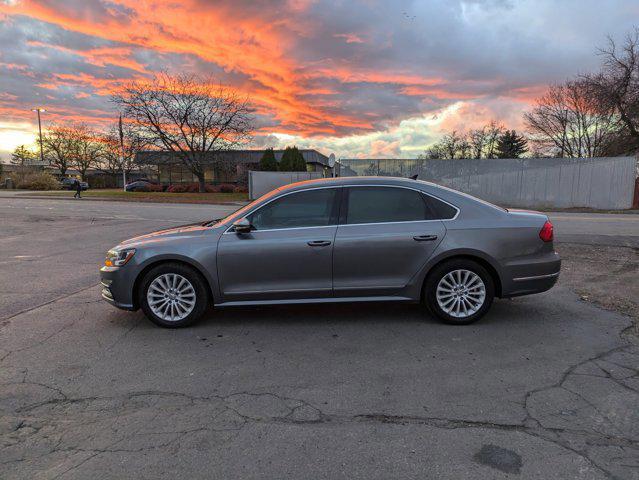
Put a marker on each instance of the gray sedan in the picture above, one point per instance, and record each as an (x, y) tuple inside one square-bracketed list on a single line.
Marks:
[(339, 240)]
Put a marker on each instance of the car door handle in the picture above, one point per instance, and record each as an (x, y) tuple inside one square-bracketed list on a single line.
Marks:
[(319, 243), (424, 238)]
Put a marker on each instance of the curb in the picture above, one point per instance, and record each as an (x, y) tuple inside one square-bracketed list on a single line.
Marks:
[(104, 199)]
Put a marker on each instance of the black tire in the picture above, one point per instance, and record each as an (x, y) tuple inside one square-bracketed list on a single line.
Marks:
[(439, 272), (190, 274)]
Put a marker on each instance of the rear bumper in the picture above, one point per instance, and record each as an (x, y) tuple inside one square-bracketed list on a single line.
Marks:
[(530, 285), (533, 275)]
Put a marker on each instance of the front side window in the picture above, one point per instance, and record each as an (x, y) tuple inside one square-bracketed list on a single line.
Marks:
[(385, 204), (311, 208)]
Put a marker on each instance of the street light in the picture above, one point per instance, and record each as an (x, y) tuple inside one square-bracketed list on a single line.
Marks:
[(38, 109)]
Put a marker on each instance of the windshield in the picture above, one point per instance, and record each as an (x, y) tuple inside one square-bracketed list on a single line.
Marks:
[(237, 214)]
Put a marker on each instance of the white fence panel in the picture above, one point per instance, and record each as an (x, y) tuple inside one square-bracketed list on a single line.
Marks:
[(260, 183)]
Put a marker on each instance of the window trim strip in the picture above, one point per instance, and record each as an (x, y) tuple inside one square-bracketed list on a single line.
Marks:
[(339, 224)]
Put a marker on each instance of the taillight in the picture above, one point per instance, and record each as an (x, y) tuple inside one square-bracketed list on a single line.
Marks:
[(546, 233)]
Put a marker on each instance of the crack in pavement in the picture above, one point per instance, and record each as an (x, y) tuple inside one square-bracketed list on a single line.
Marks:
[(6, 319), (44, 421), (232, 412)]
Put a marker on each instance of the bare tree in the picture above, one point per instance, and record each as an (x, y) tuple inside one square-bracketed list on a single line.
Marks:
[(434, 152), (477, 140), (455, 145), (568, 121), (477, 143), (57, 142), (483, 141), (119, 157), (87, 149), (494, 130), (187, 115), (616, 86)]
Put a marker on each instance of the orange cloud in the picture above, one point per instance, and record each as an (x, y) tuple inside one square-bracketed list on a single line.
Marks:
[(349, 37), (249, 42)]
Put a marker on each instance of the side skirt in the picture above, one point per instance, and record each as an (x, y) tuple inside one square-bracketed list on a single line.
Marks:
[(298, 301)]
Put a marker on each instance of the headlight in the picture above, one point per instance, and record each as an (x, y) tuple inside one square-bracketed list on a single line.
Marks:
[(117, 258)]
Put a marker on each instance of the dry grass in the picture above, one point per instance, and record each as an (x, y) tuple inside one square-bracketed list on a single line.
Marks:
[(162, 197)]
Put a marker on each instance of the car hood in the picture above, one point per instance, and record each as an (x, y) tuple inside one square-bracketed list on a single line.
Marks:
[(169, 233)]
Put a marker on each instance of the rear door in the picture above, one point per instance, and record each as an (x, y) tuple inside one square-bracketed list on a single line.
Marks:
[(385, 235), (288, 253)]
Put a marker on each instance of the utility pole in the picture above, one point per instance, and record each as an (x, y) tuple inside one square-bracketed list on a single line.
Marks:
[(121, 135), (38, 109)]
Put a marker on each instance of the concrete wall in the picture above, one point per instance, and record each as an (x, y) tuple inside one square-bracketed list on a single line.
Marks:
[(260, 183), (603, 183)]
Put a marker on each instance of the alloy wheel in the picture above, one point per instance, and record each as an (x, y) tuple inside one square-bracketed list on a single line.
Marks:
[(461, 293), (171, 297)]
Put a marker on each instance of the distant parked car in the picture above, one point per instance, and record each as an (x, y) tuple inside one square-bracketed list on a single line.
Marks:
[(69, 184), (337, 240), (139, 186)]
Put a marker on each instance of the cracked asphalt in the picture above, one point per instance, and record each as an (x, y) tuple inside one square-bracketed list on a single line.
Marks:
[(544, 387)]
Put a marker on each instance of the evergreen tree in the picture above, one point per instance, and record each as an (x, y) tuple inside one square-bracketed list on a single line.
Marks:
[(292, 161), (23, 156), (511, 145), (268, 162), (299, 164), (286, 163)]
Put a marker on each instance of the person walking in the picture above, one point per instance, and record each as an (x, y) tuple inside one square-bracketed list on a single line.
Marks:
[(78, 189)]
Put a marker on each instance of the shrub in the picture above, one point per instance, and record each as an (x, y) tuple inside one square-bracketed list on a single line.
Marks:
[(151, 187), (178, 188), (195, 188), (39, 181), (240, 189)]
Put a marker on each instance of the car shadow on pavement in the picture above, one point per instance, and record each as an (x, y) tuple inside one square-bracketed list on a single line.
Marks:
[(510, 310), (504, 312)]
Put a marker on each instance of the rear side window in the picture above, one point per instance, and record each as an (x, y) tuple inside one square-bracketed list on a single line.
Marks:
[(384, 204), (310, 208), (440, 210)]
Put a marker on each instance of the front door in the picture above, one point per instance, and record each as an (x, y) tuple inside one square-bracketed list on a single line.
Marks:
[(287, 255), (386, 234)]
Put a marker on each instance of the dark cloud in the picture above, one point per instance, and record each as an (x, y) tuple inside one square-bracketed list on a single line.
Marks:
[(328, 71)]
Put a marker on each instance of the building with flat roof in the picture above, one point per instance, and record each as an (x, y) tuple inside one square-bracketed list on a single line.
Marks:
[(230, 166)]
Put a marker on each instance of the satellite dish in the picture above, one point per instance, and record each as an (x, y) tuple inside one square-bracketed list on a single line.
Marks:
[(331, 160)]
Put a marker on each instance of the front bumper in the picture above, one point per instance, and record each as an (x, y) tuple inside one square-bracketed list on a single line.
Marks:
[(117, 288)]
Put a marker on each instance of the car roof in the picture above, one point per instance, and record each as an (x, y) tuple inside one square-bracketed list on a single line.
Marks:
[(346, 181), (455, 197)]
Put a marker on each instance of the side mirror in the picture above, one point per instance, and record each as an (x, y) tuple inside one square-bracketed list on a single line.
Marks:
[(242, 226)]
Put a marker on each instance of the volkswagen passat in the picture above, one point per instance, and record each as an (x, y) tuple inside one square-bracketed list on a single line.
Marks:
[(339, 240)]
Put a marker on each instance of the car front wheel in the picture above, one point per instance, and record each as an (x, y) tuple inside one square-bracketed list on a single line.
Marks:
[(173, 295), (459, 291)]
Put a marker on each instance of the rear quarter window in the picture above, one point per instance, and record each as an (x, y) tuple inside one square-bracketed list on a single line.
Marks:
[(440, 210)]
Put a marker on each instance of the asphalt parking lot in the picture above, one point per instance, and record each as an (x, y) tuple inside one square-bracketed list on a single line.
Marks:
[(544, 387)]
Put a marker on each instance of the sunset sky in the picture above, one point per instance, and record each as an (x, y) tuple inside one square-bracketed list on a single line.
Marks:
[(361, 79)]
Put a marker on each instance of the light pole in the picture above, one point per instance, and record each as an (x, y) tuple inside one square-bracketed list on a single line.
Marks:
[(38, 109), (121, 135)]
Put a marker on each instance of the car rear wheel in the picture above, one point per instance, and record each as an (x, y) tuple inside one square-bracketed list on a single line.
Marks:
[(173, 295), (459, 291)]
